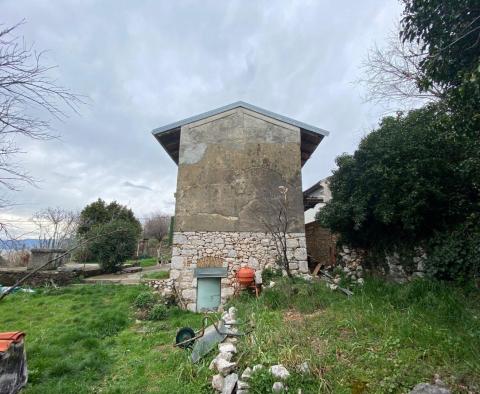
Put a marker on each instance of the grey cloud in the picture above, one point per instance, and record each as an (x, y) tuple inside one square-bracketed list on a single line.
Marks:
[(135, 186)]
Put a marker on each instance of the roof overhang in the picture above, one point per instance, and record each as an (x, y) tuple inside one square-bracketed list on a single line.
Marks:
[(169, 135)]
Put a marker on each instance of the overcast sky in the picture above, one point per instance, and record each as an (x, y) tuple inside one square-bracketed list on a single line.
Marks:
[(144, 64)]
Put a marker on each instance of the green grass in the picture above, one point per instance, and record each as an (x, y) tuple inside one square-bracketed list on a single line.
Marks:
[(386, 338), (156, 275), (146, 262), (84, 339)]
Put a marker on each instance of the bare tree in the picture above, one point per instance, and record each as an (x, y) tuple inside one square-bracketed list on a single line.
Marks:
[(27, 90), (275, 217), (56, 227), (392, 75), (156, 226)]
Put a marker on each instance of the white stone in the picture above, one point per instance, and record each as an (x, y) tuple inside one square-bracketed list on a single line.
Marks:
[(179, 239), (278, 387), (300, 254), (247, 373), (304, 367), (292, 243), (427, 388), (224, 366), (177, 262), (303, 266), (279, 371), (189, 294), (225, 355), (227, 348), (217, 382), (229, 383), (241, 385), (253, 262), (257, 367), (192, 307), (360, 281)]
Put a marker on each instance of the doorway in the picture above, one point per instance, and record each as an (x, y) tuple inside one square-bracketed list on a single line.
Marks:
[(208, 294)]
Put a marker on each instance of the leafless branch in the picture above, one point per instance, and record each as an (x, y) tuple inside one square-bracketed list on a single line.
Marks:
[(56, 227), (392, 75), (29, 99)]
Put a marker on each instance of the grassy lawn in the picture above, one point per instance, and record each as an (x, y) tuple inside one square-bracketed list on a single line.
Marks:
[(156, 275), (84, 339), (386, 338), (148, 262)]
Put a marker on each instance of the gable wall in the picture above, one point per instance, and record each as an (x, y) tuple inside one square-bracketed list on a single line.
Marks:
[(230, 167)]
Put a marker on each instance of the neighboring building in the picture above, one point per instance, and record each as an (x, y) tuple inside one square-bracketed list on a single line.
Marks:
[(321, 243), (315, 197), (231, 163)]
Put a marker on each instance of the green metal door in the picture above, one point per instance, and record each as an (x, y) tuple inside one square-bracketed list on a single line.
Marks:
[(208, 294)]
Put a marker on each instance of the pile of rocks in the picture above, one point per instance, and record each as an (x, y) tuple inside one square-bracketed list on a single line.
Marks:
[(226, 380), (163, 286)]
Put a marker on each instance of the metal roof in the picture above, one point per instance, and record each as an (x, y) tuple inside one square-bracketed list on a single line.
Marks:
[(169, 135)]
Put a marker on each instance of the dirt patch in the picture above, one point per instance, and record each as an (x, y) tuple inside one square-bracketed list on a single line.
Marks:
[(293, 316)]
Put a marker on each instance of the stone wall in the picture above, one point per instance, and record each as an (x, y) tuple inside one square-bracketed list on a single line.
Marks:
[(394, 268), (237, 249)]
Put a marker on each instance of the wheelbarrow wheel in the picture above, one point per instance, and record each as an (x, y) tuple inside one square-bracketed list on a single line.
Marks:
[(184, 334)]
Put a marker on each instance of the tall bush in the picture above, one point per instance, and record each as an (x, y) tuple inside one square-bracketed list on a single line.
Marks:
[(407, 185)]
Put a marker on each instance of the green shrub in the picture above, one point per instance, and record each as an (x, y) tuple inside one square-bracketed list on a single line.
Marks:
[(158, 312), (115, 242), (145, 300)]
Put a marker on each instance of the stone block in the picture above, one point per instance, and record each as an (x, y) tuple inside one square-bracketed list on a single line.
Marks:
[(303, 266), (177, 262), (189, 294), (300, 254), (179, 239), (292, 243)]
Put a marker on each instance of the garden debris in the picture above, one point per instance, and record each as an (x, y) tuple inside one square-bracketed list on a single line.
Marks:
[(329, 279), (230, 383), (427, 388), (11, 289), (13, 363), (278, 387), (279, 371)]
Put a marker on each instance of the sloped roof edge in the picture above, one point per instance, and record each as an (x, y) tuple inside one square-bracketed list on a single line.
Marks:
[(245, 105)]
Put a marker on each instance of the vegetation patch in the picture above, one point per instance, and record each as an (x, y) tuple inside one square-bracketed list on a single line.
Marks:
[(156, 275), (385, 338)]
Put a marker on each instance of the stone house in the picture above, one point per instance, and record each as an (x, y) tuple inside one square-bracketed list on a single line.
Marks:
[(231, 163)]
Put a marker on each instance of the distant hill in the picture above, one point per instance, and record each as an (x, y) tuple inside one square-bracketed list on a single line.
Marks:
[(19, 244)]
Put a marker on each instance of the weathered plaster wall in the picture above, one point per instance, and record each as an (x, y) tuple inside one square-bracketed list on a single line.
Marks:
[(236, 249), (230, 167)]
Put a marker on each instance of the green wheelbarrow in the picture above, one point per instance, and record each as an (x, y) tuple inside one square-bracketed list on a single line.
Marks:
[(204, 340)]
